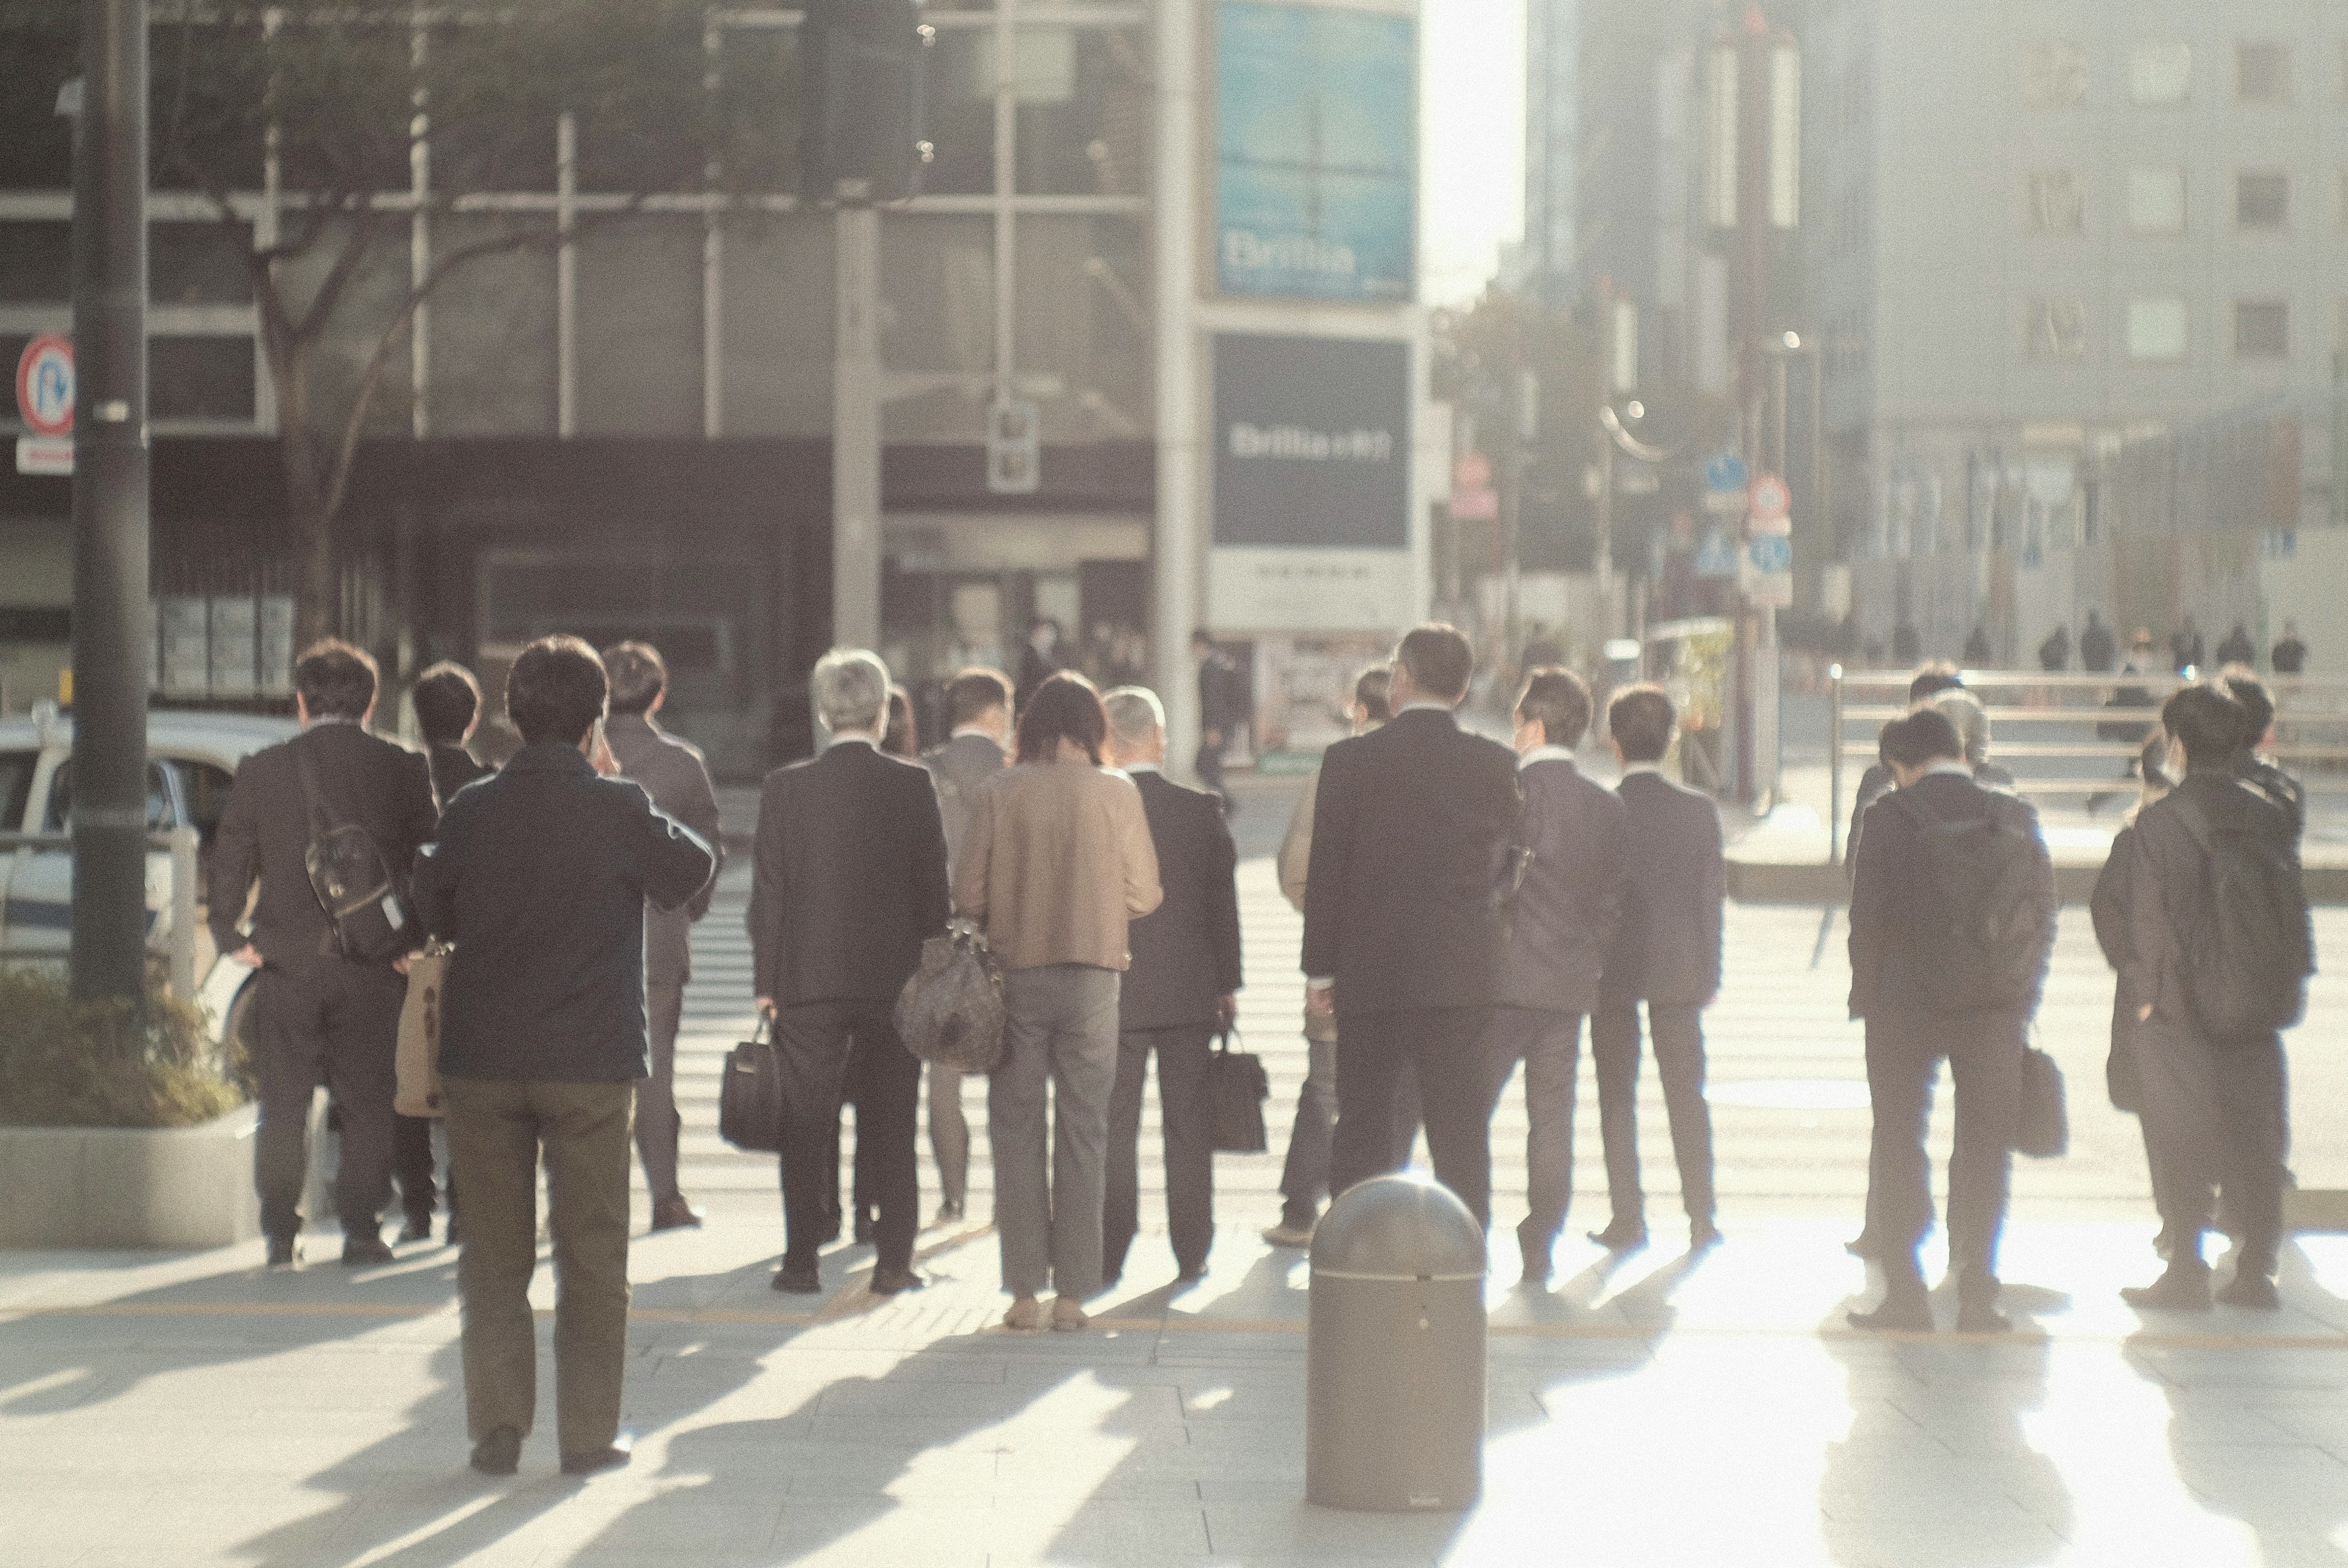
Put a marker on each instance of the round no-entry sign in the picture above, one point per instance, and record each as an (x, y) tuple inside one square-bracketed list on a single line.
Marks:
[(1770, 499), (44, 386)]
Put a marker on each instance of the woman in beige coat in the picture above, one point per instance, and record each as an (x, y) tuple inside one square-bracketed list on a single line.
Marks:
[(1058, 858)]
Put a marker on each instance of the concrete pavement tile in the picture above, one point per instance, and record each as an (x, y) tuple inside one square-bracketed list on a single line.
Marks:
[(879, 1532), (1298, 1531)]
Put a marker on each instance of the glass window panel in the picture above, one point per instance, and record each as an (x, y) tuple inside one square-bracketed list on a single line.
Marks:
[(2160, 72), (776, 352), (2262, 329), (2262, 73), (201, 378), (640, 327), (2057, 203), (958, 110), (2262, 200), (493, 349), (1081, 336), (758, 100), (2056, 328), (2055, 74), (36, 264), (2156, 329), (937, 316), (198, 264), (2155, 200), (1084, 111)]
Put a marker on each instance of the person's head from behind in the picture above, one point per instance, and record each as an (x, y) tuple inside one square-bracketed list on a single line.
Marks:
[(2206, 722), (1917, 741), (980, 699), (2152, 769), (1370, 708), (902, 735), (1965, 711), (332, 680), (1640, 721), (852, 692), (1432, 663), (1043, 633), (1136, 726), (2243, 683), (557, 691), (1063, 721), (1553, 710), (1932, 677), (639, 677), (1202, 644), (447, 704)]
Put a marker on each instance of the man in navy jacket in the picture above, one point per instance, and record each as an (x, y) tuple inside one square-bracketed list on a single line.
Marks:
[(540, 878)]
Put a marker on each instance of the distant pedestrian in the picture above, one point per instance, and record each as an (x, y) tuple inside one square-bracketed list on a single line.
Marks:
[(540, 878), (1568, 909), (1304, 1174), (1223, 711), (1406, 919), (676, 777), (2054, 653), (1040, 657), (2219, 948), (977, 747), (2289, 656), (1938, 675), (321, 1014), (1667, 955), (1952, 927), (1977, 655), (1965, 711), (2109, 907), (2184, 653), (848, 881), (447, 700), (1180, 989), (902, 735), (1054, 863), (2238, 647), (2096, 649)]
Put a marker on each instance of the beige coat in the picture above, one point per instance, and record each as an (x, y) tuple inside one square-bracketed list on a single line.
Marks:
[(1057, 859)]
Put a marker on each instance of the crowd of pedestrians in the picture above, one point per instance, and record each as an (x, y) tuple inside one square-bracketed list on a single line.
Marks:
[(1468, 905)]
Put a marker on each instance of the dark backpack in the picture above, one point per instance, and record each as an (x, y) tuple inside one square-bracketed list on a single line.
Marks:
[(351, 880), (1979, 914), (2246, 943)]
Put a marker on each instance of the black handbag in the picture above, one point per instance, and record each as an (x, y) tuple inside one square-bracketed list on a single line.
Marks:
[(2043, 1129), (1237, 1087), (750, 1095)]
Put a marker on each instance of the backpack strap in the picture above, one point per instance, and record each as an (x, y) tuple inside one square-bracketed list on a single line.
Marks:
[(313, 802)]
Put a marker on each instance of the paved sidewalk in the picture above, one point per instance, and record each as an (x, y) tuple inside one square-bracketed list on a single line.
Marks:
[(197, 1410)]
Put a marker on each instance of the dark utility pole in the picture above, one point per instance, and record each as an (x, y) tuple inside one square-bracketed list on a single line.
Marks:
[(109, 505)]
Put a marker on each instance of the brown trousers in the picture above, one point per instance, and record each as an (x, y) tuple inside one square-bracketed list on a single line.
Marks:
[(498, 1132)]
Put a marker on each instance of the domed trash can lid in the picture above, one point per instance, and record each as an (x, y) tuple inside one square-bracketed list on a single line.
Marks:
[(1398, 1228)]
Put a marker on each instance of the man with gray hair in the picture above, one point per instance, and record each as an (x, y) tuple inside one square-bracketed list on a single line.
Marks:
[(1181, 988), (849, 879), (1965, 711)]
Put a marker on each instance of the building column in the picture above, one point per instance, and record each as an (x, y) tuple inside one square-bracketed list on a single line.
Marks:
[(1177, 546)]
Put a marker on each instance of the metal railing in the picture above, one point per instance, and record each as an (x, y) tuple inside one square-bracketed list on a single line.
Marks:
[(2030, 711), (183, 843)]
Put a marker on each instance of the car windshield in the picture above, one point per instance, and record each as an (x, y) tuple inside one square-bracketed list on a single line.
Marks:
[(15, 787), (60, 817)]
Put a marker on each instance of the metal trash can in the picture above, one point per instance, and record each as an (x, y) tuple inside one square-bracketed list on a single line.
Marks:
[(1394, 1352)]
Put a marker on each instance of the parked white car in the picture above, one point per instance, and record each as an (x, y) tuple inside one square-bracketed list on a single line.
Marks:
[(191, 760)]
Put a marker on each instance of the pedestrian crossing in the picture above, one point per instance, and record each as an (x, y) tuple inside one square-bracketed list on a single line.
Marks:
[(1787, 1081)]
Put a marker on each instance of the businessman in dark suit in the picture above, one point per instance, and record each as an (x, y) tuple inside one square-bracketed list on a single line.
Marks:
[(320, 1017), (1567, 908), (1181, 988), (1667, 955), (540, 878), (1414, 830), (850, 880), (674, 774)]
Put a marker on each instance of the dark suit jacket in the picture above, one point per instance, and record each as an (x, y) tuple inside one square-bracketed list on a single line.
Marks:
[(540, 878), (1892, 947), (1571, 902), (673, 775), (960, 766), (365, 781), (850, 877), (2169, 874), (1222, 695), (1186, 952), (454, 767), (1669, 948), (1413, 829)]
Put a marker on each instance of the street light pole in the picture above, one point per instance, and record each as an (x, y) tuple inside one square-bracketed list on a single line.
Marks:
[(108, 948)]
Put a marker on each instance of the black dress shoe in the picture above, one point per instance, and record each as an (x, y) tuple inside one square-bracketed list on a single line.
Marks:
[(2182, 1287), (891, 1281), (863, 1230), (621, 1450), (2251, 1290), (1190, 1272), (366, 1251), (1900, 1314), (1537, 1259), (418, 1228), (1703, 1237), (285, 1252), (794, 1279), (1620, 1238), (499, 1453)]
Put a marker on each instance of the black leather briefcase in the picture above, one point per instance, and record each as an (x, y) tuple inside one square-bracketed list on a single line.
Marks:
[(1237, 1087), (750, 1096)]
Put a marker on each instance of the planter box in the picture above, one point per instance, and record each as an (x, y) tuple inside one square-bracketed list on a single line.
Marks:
[(130, 1186)]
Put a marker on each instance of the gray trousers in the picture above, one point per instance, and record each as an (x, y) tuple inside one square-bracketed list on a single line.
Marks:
[(335, 1023), (1550, 1045), (1060, 1038), (1676, 1031), (657, 1122), (1304, 1175), (2214, 1116), (949, 1133)]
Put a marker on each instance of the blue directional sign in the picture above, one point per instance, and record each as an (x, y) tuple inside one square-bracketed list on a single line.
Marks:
[(1724, 471), (1772, 553), (1717, 556)]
